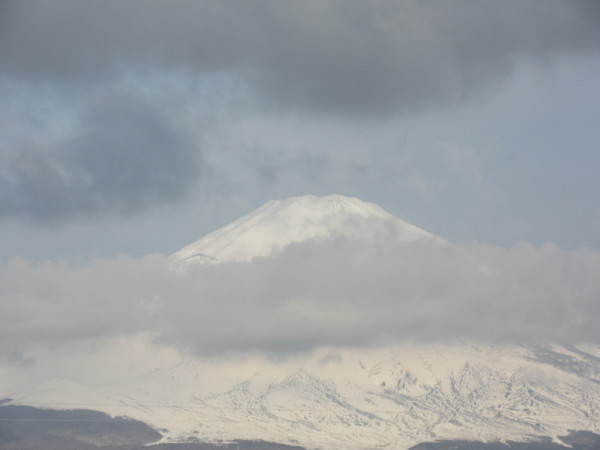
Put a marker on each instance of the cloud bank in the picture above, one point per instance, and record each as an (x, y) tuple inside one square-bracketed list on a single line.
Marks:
[(342, 293), (337, 56)]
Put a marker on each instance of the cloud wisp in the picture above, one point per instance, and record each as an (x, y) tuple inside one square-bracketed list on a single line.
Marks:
[(343, 293)]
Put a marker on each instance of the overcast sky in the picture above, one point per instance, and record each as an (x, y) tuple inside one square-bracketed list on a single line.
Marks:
[(135, 127)]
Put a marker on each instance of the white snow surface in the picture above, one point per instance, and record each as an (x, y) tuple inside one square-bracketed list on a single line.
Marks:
[(278, 223), (392, 396)]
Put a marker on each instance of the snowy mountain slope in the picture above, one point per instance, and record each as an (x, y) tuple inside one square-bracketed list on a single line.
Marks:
[(278, 223), (389, 396), (392, 397)]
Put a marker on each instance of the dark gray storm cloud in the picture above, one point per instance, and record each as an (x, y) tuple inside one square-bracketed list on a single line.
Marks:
[(345, 56), (343, 293), (128, 155)]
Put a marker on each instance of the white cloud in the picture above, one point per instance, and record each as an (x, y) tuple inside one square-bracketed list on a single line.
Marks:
[(344, 293)]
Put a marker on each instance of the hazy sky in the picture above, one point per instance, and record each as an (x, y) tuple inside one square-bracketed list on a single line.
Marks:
[(135, 127)]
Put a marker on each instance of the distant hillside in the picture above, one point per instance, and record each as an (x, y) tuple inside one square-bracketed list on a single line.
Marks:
[(28, 428)]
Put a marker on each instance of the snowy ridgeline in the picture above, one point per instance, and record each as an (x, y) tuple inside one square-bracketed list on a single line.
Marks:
[(388, 397), (280, 223), (24, 427)]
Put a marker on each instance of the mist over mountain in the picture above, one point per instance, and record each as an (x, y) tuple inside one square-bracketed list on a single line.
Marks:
[(439, 288), (340, 276), (321, 322)]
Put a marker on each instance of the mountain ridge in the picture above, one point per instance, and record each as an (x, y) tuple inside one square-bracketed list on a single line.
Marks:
[(389, 397), (392, 394), (278, 223)]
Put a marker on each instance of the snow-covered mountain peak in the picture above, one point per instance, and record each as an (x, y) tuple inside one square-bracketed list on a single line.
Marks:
[(310, 205), (278, 223)]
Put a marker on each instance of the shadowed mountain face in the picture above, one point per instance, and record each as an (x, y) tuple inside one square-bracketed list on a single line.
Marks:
[(577, 440), (25, 427), (41, 428)]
